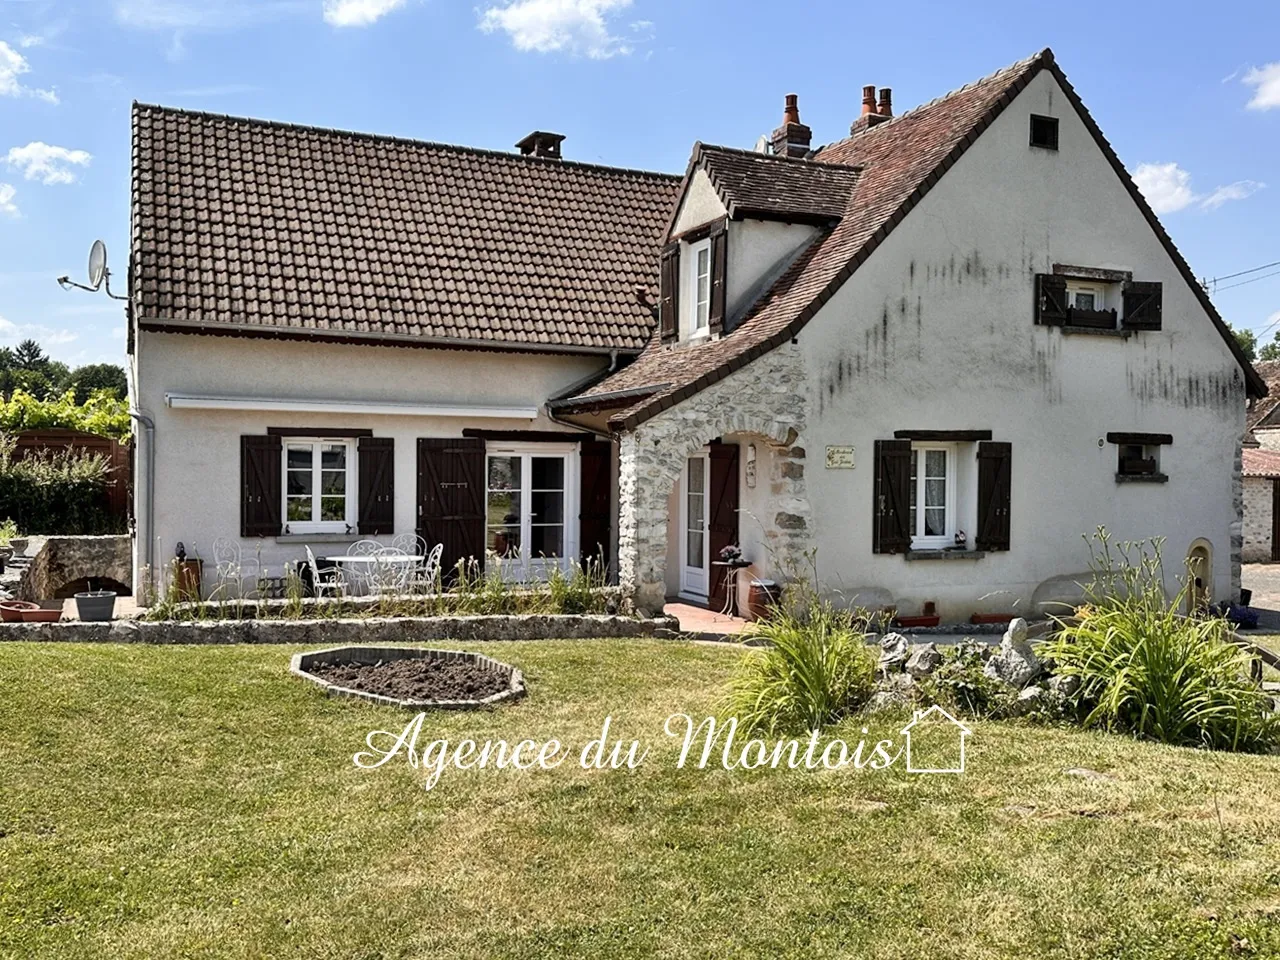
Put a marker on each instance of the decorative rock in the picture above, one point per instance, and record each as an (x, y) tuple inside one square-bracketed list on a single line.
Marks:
[(1016, 664), (1030, 699), (1064, 685), (894, 651), (896, 690), (924, 660)]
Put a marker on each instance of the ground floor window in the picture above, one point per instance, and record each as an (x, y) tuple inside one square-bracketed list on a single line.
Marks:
[(531, 505), (932, 494), (319, 486)]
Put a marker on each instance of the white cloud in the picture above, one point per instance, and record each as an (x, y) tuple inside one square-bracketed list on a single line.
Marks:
[(29, 40), (358, 13), (15, 332), (202, 15), (1167, 188), (12, 66), (48, 164), (7, 206), (546, 26), (1265, 81)]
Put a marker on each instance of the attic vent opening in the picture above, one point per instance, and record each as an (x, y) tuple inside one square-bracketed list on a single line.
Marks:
[(1044, 132), (540, 143)]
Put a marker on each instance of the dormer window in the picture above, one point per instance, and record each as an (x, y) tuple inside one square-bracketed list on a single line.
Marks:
[(699, 319)]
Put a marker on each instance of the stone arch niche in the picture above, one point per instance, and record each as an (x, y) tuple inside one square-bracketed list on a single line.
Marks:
[(762, 401), (65, 566)]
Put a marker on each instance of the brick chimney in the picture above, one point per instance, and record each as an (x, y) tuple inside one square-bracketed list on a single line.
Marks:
[(792, 139), (541, 144), (871, 112)]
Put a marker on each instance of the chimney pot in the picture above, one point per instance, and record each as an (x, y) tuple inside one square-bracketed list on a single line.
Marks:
[(540, 143), (792, 112), (868, 100), (792, 139), (886, 102)]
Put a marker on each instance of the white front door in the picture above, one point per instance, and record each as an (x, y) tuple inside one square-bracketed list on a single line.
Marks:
[(695, 543)]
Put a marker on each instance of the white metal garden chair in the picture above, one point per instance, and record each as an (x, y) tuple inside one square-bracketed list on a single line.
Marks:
[(325, 581), (426, 575), (232, 571)]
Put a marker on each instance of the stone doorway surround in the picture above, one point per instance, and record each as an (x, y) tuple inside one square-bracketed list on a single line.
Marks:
[(764, 400)]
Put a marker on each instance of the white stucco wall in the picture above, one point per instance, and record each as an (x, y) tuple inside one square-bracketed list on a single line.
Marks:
[(699, 205), (1258, 503), (197, 496), (936, 331), (759, 251)]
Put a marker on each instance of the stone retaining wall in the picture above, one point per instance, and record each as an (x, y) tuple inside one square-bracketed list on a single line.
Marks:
[(370, 630), (67, 560)]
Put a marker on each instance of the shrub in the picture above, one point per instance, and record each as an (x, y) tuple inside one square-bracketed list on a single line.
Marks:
[(103, 413), (816, 670), (959, 684), (56, 493), (1147, 669)]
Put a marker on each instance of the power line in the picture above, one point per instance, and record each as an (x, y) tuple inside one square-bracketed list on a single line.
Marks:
[(1265, 276), (1231, 276)]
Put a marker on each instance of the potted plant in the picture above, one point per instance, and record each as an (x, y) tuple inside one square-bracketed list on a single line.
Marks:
[(96, 606), (187, 573), (11, 610)]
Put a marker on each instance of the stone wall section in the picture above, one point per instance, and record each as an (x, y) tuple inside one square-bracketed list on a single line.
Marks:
[(766, 399), (1257, 520)]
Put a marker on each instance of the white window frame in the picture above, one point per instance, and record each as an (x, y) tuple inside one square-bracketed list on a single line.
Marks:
[(695, 581), (1097, 290), (919, 541), (352, 495), (526, 566), (698, 325)]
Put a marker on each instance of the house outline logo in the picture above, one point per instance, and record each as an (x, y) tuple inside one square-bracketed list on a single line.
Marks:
[(964, 733)]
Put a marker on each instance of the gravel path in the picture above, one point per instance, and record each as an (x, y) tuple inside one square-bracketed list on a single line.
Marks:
[(1264, 580)]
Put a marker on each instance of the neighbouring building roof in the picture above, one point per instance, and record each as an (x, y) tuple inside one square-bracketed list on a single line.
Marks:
[(1264, 413), (258, 228), (1261, 463), (899, 161)]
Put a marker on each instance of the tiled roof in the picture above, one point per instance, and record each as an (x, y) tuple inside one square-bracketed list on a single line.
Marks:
[(755, 183), (1265, 412), (1261, 463), (900, 161), (254, 227)]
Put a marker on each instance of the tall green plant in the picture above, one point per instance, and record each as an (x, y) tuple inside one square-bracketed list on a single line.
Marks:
[(55, 493), (1146, 668)]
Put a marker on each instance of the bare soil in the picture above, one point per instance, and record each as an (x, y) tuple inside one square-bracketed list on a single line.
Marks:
[(416, 679)]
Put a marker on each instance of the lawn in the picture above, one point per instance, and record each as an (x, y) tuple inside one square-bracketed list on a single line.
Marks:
[(186, 801)]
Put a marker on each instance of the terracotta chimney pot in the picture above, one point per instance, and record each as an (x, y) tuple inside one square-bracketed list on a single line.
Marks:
[(868, 100), (886, 102)]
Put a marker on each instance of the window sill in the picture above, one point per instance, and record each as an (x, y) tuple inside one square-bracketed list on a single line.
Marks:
[(319, 538), (945, 554), (1142, 478), (1095, 332)]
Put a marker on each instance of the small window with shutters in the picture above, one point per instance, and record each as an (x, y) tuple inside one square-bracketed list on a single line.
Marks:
[(319, 485), (697, 285)]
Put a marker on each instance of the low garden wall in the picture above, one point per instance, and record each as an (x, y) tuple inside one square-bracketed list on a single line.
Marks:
[(363, 630)]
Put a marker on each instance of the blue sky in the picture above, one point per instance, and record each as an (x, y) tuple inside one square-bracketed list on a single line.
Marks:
[(1191, 91)]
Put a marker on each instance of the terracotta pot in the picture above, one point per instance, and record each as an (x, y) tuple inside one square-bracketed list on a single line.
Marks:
[(918, 621), (41, 616), (992, 617), (11, 610), (187, 575)]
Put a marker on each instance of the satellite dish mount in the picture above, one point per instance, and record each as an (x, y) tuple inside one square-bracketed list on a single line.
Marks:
[(99, 275)]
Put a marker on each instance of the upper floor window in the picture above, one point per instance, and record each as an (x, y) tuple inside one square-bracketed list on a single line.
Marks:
[(699, 287), (1044, 132), (1098, 299)]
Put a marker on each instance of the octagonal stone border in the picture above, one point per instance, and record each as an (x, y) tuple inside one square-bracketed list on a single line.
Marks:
[(300, 664)]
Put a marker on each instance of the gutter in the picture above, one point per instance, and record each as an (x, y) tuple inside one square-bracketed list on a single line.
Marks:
[(549, 406), (147, 496)]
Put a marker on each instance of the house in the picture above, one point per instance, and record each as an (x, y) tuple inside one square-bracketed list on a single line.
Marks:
[(930, 355), (1262, 471), (935, 742)]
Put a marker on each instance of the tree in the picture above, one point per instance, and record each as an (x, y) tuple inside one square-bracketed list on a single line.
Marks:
[(1248, 341), (97, 376), (6, 358), (29, 356), (1271, 351)]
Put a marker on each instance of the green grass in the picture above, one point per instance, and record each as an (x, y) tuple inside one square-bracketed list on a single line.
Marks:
[(178, 801)]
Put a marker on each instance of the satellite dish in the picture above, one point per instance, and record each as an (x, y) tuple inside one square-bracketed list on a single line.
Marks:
[(97, 264)]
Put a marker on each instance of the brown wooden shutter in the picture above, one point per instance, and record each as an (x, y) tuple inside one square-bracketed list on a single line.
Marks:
[(595, 520), (377, 485), (723, 513), (1051, 298), (719, 272), (451, 495), (995, 473), (669, 291), (1143, 305), (261, 495), (891, 509)]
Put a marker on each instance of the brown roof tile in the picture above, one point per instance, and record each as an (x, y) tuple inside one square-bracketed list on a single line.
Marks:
[(256, 227), (1261, 463), (751, 183)]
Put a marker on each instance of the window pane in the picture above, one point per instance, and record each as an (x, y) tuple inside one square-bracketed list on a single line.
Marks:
[(299, 509), (299, 482), (299, 456), (333, 481), (333, 508), (504, 509), (935, 493), (935, 522), (695, 511), (693, 542), (505, 540), (333, 456), (504, 473), (547, 508), (697, 475), (547, 473), (935, 463), (1084, 301), (546, 541)]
